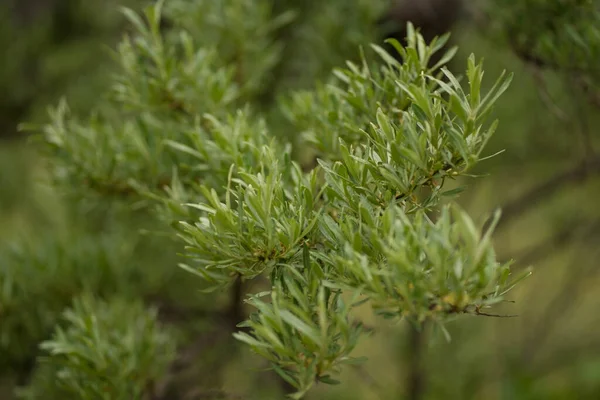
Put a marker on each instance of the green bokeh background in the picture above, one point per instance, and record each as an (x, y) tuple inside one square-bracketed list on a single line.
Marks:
[(550, 351)]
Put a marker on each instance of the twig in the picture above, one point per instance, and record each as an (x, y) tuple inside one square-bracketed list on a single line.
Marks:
[(173, 314), (550, 315), (568, 355), (417, 374), (223, 323), (495, 315), (236, 306), (538, 63), (539, 251), (588, 89), (578, 174), (557, 242), (211, 394), (586, 139), (545, 96), (367, 378), (559, 305)]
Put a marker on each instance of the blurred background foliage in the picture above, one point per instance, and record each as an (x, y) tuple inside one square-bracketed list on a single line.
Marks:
[(547, 182)]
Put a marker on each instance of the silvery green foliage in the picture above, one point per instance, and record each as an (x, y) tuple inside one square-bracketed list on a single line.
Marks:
[(416, 268), (185, 132), (108, 350), (178, 89), (359, 90), (363, 228), (305, 330), (250, 60), (266, 218)]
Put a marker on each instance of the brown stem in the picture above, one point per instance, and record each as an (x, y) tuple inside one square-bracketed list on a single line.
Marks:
[(545, 95), (417, 375), (534, 196), (236, 307), (592, 96), (364, 375), (571, 234), (557, 307)]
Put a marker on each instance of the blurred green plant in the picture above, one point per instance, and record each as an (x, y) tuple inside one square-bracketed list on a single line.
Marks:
[(39, 278), (108, 350), (46, 54), (555, 34)]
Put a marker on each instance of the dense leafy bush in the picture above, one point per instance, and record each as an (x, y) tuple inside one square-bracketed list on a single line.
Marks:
[(306, 194), (111, 350)]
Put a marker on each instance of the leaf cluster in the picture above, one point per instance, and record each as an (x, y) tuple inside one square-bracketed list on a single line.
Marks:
[(38, 280), (184, 132), (358, 225), (97, 356)]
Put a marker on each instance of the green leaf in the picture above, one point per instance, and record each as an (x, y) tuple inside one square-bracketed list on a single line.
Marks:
[(385, 56), (310, 332), (495, 92)]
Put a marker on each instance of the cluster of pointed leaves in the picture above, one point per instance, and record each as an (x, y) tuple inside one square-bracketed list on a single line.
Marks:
[(362, 224), (40, 277), (176, 115), (358, 223), (97, 356)]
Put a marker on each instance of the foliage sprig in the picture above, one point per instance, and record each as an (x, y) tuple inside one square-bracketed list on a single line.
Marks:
[(183, 134)]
